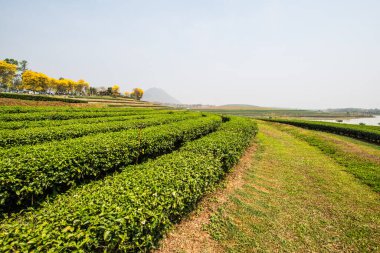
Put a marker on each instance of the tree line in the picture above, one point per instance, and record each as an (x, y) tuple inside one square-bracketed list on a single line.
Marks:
[(15, 76)]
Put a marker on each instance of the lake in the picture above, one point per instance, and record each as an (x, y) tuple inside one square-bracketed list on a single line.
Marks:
[(368, 121)]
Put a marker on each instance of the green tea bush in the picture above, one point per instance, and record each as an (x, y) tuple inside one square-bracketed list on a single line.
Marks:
[(361, 132), (30, 136), (29, 109), (14, 125), (129, 211), (39, 98), (27, 173), (64, 115)]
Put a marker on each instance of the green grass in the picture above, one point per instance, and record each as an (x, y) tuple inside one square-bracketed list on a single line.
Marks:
[(297, 199), (358, 158), (361, 132)]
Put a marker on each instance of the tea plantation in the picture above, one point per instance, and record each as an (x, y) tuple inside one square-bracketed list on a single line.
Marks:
[(107, 179)]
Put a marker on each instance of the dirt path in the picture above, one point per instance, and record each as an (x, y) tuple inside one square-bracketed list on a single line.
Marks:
[(289, 197)]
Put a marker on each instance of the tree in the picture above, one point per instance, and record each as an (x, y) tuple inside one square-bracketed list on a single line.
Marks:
[(7, 73), (44, 82), (30, 80), (81, 86), (71, 85), (109, 91), (11, 61), (137, 93), (93, 91), (17, 82), (59, 86), (116, 90), (53, 84), (127, 94), (22, 66), (35, 81)]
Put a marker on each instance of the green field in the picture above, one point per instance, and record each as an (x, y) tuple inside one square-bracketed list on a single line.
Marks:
[(361, 132), (96, 179), (297, 197), (120, 179)]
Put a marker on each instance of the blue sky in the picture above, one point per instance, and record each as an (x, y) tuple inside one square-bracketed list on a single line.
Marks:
[(299, 54)]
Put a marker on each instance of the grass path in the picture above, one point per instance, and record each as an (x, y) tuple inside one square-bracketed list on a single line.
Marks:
[(296, 199), (357, 157), (289, 196)]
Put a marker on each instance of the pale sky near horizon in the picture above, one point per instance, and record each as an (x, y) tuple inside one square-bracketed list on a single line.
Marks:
[(289, 53)]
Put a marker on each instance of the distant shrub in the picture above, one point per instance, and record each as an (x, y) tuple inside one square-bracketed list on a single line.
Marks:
[(39, 98), (361, 131)]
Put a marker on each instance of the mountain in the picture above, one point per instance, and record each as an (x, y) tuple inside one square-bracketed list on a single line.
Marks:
[(160, 96)]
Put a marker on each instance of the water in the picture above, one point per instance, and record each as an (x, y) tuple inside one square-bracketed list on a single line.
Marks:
[(368, 121)]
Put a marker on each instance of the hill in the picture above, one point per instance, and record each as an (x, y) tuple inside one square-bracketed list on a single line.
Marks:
[(160, 96)]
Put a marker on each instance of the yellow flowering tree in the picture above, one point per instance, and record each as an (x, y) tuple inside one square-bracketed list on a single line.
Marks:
[(44, 82), (70, 85), (127, 94), (59, 86), (53, 83), (29, 80), (137, 93), (7, 74), (35, 81), (81, 86), (115, 90)]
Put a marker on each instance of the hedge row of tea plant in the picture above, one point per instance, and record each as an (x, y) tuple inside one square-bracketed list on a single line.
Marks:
[(14, 125), (366, 133), (39, 98), (29, 109), (31, 136), (27, 173), (226, 143), (130, 211), (64, 115)]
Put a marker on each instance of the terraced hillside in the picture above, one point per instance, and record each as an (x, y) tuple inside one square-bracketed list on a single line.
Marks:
[(16, 99), (117, 101)]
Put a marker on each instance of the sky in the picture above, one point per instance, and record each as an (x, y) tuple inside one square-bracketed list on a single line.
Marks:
[(281, 53)]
